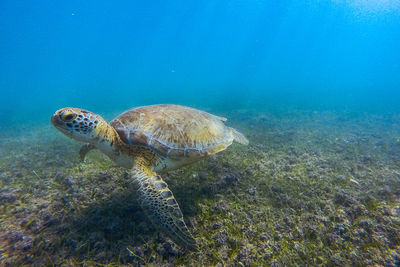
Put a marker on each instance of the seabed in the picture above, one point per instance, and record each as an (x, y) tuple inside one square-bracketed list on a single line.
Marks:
[(312, 188)]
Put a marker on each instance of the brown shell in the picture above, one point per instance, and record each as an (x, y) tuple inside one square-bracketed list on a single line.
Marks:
[(173, 130)]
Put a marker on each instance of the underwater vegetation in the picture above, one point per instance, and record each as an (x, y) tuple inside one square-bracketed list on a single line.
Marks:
[(312, 188)]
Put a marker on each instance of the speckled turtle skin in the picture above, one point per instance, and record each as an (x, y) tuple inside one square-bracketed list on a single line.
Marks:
[(148, 140)]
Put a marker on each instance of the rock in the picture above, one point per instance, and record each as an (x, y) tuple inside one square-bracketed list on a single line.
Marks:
[(360, 232), (100, 245), (275, 263), (251, 191), (14, 236), (209, 188), (71, 243), (282, 199), (168, 250), (59, 176), (221, 237), (221, 205), (70, 181), (25, 244), (203, 175), (337, 260), (95, 236), (8, 197), (366, 225), (344, 199), (104, 176), (340, 228), (246, 250), (385, 191), (388, 211), (230, 179), (276, 188), (44, 214), (341, 197), (216, 226), (356, 210), (331, 238)]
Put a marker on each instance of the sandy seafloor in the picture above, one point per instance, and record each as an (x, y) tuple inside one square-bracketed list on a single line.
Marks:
[(312, 188)]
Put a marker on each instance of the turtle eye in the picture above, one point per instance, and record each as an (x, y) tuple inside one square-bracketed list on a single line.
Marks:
[(67, 116)]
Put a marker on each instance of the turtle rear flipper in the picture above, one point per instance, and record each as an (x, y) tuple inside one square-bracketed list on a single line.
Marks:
[(239, 137), (160, 206)]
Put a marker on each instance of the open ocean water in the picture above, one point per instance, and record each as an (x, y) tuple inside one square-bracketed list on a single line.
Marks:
[(313, 85)]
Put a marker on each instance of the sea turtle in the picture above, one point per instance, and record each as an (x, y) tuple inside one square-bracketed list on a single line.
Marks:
[(149, 140)]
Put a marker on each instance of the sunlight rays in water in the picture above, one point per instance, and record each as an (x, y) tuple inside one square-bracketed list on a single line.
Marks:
[(376, 7)]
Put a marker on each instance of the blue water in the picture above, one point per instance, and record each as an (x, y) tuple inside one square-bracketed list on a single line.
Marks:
[(112, 55)]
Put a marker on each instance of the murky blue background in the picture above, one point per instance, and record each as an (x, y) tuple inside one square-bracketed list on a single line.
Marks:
[(107, 56)]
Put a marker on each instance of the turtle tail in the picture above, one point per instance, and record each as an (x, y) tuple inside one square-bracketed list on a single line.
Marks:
[(239, 137)]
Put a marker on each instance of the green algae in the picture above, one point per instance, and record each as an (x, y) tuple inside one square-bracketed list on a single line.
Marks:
[(302, 193)]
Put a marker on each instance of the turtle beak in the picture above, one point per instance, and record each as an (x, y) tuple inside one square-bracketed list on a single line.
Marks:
[(55, 120), (58, 123)]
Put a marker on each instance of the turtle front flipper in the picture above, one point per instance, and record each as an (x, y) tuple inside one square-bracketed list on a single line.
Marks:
[(85, 149), (160, 206)]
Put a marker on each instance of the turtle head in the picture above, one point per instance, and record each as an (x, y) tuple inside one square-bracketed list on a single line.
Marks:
[(78, 124)]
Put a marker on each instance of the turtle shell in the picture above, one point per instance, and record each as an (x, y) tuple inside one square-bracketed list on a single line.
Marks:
[(173, 130)]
